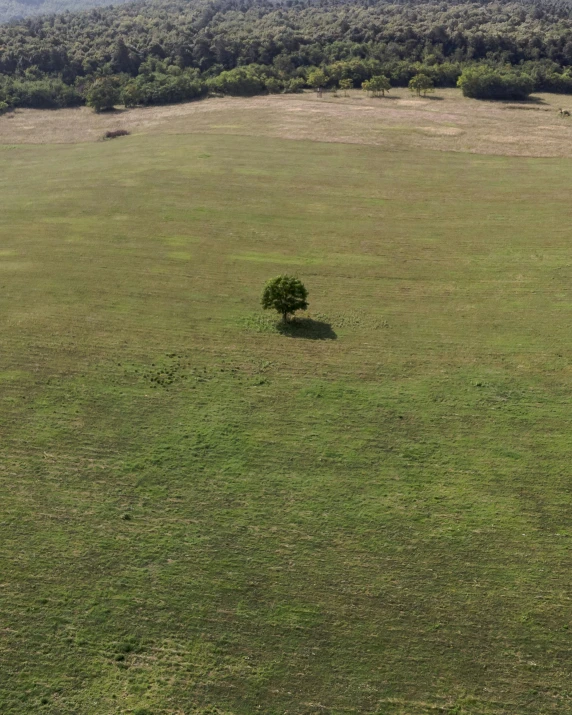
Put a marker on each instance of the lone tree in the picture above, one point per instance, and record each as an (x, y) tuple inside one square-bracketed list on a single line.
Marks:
[(379, 84), (286, 295), (421, 84)]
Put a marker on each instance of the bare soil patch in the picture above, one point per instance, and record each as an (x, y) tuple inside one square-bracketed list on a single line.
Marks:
[(452, 124)]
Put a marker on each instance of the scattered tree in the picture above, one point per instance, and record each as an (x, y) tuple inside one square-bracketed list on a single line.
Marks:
[(421, 84), (345, 85), (102, 95), (286, 295), (378, 84), (317, 79), (54, 63)]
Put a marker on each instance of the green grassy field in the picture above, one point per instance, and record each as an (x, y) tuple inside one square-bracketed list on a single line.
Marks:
[(200, 515)]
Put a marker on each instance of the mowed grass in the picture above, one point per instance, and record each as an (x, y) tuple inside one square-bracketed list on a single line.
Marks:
[(368, 514)]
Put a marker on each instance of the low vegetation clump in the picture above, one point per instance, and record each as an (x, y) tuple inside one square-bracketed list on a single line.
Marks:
[(113, 134), (36, 91), (241, 81), (487, 83)]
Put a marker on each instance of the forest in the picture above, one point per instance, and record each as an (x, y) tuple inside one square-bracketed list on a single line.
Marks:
[(14, 10), (154, 52)]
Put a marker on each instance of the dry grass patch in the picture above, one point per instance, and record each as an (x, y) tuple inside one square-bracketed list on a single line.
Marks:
[(447, 122)]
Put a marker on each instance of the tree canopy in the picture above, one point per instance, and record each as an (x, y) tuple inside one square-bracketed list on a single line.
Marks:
[(286, 295), (421, 84), (162, 51), (103, 94), (378, 84)]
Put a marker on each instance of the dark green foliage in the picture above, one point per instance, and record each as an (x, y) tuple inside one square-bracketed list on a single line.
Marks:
[(159, 82), (548, 76), (487, 83), (274, 85), (286, 295), (103, 94), (160, 52), (241, 81), (167, 90), (17, 10), (45, 93)]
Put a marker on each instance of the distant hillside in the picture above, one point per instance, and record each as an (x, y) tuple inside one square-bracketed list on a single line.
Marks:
[(158, 52), (13, 10)]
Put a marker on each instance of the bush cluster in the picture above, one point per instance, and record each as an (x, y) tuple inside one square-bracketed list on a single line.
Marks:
[(488, 83), (38, 93)]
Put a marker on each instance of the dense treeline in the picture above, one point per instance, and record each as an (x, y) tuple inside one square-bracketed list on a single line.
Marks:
[(13, 10), (157, 52)]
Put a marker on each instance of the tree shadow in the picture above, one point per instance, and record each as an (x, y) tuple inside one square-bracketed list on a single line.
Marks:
[(532, 100), (306, 328)]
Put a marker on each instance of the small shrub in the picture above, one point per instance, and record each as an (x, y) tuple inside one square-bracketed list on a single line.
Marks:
[(162, 87), (114, 133)]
